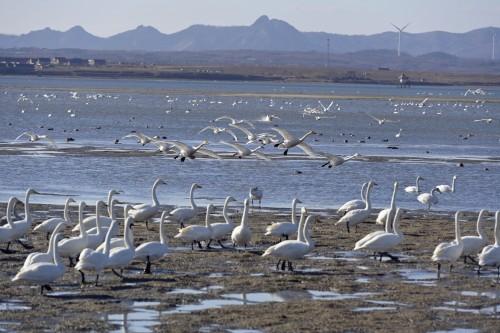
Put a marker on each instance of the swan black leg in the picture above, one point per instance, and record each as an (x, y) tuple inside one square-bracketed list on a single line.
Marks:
[(97, 280), (182, 225), (176, 157), (183, 159), (283, 263), (83, 276), (47, 236), (116, 273), (147, 270), (451, 268), (199, 245), (26, 246), (285, 152), (278, 265), (71, 263), (192, 247), (220, 243), (208, 245), (348, 229), (286, 237), (290, 267), (439, 271)]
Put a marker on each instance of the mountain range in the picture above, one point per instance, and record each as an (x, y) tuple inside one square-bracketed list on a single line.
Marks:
[(264, 34)]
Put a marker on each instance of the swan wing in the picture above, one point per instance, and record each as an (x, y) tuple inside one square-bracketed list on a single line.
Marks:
[(243, 129), (236, 146), (209, 153), (284, 133), (308, 149), (261, 155), (179, 145)]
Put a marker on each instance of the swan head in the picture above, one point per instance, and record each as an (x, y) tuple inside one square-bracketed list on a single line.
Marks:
[(82, 205), (303, 210), (396, 184), (195, 186), (115, 192), (210, 208), (160, 181), (31, 191), (435, 189), (454, 177), (420, 178), (99, 204), (230, 199), (457, 215), (297, 201), (70, 200)]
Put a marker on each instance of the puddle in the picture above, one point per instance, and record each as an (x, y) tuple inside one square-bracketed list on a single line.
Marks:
[(363, 280), (363, 268), (374, 308), (190, 291), (243, 330), (348, 256), (459, 307), (417, 276), (487, 294), (63, 293), (13, 305), (217, 275), (320, 258), (458, 330), (386, 303), (262, 297), (141, 319), (257, 274)]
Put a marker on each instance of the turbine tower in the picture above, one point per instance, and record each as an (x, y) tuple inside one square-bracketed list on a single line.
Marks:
[(400, 30), (493, 46)]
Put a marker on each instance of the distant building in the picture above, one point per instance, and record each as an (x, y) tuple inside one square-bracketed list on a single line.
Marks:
[(404, 81), (59, 61), (96, 62)]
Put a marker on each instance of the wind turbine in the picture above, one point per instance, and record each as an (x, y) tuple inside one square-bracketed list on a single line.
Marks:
[(493, 46), (400, 30)]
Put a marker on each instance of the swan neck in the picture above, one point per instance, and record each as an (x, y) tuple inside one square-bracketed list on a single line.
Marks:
[(67, 217), (10, 206), (497, 229), (480, 224), (395, 225), (27, 207), (388, 220), (294, 207), (110, 206), (457, 231), (163, 239), (368, 204), (127, 237), (207, 219), (55, 253), (300, 229), (98, 218), (307, 234), (393, 198), (225, 213), (418, 184), (363, 191), (153, 194), (83, 230), (453, 185), (191, 198), (107, 240), (244, 217), (305, 136)]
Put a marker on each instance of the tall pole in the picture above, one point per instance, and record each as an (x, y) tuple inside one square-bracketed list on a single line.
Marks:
[(493, 47), (399, 43), (328, 53)]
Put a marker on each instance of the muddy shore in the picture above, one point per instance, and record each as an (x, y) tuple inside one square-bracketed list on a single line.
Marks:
[(219, 290)]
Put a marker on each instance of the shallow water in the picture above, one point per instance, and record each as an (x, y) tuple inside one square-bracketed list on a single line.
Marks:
[(108, 109)]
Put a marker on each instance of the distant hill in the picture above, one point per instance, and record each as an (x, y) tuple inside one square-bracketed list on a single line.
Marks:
[(263, 35)]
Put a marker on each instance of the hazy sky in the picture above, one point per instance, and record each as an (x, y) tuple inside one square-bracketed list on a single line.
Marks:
[(107, 17)]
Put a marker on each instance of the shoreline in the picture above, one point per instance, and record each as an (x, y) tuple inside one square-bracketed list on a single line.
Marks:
[(267, 74)]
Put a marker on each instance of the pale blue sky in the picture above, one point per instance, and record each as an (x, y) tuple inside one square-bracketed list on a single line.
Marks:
[(107, 17)]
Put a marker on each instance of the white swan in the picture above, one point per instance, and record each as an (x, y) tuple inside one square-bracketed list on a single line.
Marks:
[(152, 251), (186, 151), (38, 257), (449, 251), (235, 121), (251, 137), (289, 250), (448, 188), (141, 138), (221, 230), (289, 141), (382, 215), (197, 233), (89, 221), (217, 130), (22, 227), (3, 219), (7, 230), (429, 199), (414, 189), (242, 235), (96, 238), (185, 214), (474, 244), (120, 257), (145, 212), (372, 234), (490, 255), (71, 247), (49, 225), (335, 160), (43, 273), (105, 226), (354, 204), (94, 260), (383, 242), (285, 229), (256, 194), (242, 151), (117, 241), (37, 137), (354, 217)]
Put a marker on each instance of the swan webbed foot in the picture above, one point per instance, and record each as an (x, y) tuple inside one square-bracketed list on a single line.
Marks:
[(285, 152), (183, 158), (176, 157)]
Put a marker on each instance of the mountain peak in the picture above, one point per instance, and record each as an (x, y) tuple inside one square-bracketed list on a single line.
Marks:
[(76, 28), (264, 19)]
